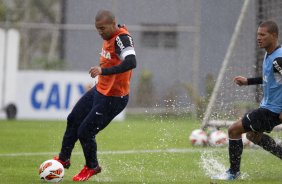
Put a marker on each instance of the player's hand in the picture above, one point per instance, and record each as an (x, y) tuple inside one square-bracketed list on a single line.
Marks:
[(280, 117), (239, 80), (95, 71)]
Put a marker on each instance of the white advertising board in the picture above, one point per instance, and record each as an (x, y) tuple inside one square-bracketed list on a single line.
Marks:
[(50, 95)]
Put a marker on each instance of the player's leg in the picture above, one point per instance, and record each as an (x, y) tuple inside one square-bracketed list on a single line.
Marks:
[(235, 146), (74, 119), (269, 144), (102, 113), (235, 149), (270, 120)]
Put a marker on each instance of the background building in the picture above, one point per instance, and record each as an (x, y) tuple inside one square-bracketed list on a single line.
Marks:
[(180, 45)]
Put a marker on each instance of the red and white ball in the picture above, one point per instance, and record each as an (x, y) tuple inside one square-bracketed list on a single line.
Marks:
[(218, 138), (51, 171), (198, 137)]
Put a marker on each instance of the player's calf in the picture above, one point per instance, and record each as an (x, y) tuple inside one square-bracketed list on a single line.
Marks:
[(267, 143)]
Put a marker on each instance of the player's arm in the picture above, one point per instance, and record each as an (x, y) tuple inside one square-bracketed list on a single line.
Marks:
[(277, 65), (277, 68), (255, 80), (241, 81), (125, 50)]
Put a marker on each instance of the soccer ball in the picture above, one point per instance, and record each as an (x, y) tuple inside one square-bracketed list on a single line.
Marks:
[(218, 138), (51, 171), (198, 137)]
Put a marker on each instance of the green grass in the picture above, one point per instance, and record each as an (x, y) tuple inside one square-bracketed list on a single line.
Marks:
[(44, 138)]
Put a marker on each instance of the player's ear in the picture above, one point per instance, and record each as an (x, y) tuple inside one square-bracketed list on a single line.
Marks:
[(275, 35), (114, 22)]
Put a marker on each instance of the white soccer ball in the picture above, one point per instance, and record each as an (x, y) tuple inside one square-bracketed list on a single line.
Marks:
[(218, 138), (198, 137), (51, 171), (247, 142)]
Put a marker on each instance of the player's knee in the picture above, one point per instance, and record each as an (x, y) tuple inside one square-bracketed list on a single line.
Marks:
[(255, 137), (85, 134), (81, 134), (233, 132)]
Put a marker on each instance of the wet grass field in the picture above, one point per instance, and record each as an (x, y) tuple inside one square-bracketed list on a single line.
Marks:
[(137, 150)]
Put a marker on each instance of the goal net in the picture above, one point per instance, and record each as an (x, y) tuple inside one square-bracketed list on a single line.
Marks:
[(229, 101)]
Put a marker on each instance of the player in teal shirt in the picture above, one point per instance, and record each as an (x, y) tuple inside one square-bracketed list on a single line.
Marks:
[(268, 115)]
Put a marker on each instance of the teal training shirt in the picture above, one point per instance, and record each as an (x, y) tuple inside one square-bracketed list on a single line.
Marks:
[(272, 82)]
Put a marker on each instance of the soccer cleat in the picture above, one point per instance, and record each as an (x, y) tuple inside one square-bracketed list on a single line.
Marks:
[(66, 164), (86, 173), (227, 176)]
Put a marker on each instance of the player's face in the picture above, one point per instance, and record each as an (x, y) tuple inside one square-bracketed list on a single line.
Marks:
[(105, 28), (264, 38)]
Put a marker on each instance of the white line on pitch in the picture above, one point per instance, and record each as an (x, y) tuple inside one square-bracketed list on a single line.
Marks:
[(121, 152), (172, 150)]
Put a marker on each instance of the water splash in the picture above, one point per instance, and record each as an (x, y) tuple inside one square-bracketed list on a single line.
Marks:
[(212, 164)]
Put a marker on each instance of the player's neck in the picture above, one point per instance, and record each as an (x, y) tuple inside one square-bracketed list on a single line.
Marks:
[(272, 48), (114, 32)]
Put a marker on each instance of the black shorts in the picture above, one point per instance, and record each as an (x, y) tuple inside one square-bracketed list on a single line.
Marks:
[(260, 120)]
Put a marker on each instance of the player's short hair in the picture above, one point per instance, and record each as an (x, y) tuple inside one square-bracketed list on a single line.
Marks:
[(105, 14), (271, 26)]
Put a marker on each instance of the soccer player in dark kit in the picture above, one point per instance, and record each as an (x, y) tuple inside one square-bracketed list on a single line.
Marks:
[(268, 115), (98, 107)]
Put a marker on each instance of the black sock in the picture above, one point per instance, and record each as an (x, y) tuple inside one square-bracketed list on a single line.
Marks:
[(269, 144), (235, 152)]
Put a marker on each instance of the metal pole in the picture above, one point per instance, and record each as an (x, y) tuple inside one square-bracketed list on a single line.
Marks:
[(196, 55)]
